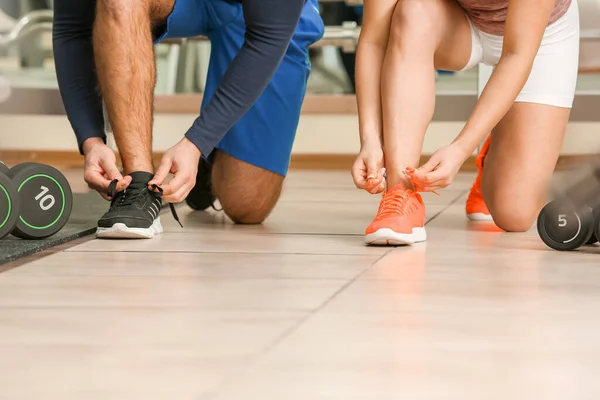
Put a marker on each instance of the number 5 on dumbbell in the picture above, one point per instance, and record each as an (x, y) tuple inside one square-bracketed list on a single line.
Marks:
[(44, 200)]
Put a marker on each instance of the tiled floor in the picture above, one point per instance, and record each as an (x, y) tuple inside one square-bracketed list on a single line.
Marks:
[(300, 309)]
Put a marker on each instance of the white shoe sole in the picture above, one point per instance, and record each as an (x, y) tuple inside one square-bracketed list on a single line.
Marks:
[(480, 217), (387, 237), (122, 231)]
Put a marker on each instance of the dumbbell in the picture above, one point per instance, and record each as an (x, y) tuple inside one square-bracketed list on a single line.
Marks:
[(564, 226), (9, 203), (573, 218), (44, 198)]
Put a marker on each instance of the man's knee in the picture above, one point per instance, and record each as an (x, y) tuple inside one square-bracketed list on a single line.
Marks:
[(249, 211), (249, 207), (246, 192), (155, 10), (120, 9)]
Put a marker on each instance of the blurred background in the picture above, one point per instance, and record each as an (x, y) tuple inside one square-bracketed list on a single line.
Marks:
[(34, 126)]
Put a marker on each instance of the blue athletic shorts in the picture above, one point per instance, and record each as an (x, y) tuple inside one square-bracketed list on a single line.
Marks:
[(265, 134)]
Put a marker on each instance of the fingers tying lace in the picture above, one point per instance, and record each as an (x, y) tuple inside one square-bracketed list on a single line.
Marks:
[(418, 184), (171, 205), (112, 189)]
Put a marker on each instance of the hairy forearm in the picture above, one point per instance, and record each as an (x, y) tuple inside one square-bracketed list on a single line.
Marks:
[(369, 61), (499, 94)]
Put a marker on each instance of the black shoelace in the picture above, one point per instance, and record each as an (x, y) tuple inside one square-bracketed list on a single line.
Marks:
[(133, 192)]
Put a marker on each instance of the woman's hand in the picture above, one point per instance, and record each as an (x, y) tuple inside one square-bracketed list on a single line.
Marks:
[(368, 171), (440, 170)]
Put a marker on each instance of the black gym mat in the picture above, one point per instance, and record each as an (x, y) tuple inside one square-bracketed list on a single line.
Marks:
[(87, 209)]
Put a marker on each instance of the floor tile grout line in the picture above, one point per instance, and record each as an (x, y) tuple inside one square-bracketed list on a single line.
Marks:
[(224, 252), (288, 332), (276, 233), (155, 307), (231, 278), (303, 234), (447, 206)]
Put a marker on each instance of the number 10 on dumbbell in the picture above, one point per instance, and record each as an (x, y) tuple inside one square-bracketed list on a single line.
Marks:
[(35, 201)]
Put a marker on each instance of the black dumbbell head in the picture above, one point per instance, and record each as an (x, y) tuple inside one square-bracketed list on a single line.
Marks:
[(45, 198), (3, 168), (9, 205), (594, 238), (563, 227)]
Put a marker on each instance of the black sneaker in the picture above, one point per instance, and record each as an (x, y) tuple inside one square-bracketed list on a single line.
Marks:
[(201, 196), (134, 212)]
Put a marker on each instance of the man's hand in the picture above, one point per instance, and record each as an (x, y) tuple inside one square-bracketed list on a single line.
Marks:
[(101, 167), (439, 171), (368, 171), (182, 161)]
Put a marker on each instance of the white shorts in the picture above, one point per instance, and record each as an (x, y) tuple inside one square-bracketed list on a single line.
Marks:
[(553, 78)]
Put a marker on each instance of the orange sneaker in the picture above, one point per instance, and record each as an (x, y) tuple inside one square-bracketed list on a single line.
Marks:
[(475, 207), (400, 219)]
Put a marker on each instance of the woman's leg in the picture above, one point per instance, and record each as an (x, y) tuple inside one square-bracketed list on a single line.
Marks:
[(518, 167), (525, 145), (425, 35)]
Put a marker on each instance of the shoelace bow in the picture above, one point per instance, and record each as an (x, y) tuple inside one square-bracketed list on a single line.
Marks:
[(123, 198), (394, 204), (418, 185)]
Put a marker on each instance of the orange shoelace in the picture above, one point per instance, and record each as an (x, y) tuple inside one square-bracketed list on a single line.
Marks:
[(394, 204), (418, 185)]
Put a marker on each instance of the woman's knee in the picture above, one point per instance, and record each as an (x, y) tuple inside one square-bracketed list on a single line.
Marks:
[(513, 216), (414, 21)]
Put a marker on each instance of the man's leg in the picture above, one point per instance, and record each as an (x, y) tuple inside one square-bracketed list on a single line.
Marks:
[(125, 64), (250, 163)]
